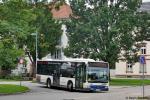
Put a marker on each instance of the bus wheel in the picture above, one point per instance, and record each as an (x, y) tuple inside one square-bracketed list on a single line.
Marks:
[(48, 83), (70, 86)]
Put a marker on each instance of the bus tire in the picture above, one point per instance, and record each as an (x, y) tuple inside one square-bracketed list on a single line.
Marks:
[(70, 86), (48, 83)]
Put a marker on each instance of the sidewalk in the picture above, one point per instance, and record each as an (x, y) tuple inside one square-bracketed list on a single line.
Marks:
[(120, 87), (23, 83)]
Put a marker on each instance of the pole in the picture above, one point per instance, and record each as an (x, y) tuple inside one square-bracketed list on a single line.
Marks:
[(143, 81), (36, 55), (142, 63)]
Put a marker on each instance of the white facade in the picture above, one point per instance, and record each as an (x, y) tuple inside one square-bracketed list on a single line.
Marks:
[(124, 69)]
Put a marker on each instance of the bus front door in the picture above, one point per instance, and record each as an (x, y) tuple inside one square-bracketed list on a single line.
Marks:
[(80, 75), (56, 78)]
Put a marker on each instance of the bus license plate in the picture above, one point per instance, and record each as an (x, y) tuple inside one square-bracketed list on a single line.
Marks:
[(97, 90)]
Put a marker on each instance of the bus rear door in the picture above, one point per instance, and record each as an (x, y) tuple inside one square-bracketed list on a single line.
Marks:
[(56, 75), (80, 75)]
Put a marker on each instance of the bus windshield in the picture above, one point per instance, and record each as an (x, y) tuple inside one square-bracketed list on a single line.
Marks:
[(97, 74)]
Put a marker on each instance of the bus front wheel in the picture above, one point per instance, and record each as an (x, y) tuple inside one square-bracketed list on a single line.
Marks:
[(70, 86), (48, 84)]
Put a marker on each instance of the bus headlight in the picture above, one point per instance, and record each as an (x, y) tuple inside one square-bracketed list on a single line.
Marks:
[(85, 85)]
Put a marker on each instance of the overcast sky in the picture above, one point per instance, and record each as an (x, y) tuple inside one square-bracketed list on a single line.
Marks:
[(142, 0), (146, 0)]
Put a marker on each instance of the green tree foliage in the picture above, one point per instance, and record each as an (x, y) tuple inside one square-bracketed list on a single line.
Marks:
[(8, 55), (143, 26), (101, 30), (16, 16), (18, 20), (13, 29)]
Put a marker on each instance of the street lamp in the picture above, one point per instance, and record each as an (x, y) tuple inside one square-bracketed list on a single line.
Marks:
[(36, 34)]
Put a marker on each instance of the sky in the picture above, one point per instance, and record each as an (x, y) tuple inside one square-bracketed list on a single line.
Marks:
[(146, 0), (68, 0), (142, 1)]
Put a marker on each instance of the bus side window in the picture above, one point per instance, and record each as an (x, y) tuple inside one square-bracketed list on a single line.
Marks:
[(50, 69), (67, 70)]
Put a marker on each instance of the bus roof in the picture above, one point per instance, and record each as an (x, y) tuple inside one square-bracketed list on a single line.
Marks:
[(72, 60)]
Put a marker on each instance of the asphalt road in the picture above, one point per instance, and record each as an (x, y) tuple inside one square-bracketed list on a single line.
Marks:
[(40, 92)]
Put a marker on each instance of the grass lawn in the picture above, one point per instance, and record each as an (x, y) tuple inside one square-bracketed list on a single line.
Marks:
[(11, 89), (128, 82)]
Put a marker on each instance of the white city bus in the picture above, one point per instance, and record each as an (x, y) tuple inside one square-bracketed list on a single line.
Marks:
[(74, 74)]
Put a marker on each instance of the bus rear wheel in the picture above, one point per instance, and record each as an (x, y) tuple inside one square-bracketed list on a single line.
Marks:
[(70, 86), (48, 83)]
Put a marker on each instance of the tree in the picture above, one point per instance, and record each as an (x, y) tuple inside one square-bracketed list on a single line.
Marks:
[(48, 29), (101, 30), (8, 55), (143, 23), (18, 20), (14, 27), (17, 14)]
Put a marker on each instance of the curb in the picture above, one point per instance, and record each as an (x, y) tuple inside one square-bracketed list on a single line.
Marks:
[(121, 87)]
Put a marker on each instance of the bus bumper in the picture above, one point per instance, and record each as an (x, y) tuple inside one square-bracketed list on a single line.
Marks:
[(99, 88), (96, 86)]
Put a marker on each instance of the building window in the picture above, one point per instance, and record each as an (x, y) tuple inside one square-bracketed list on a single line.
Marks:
[(142, 68), (57, 54), (143, 50), (129, 68)]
